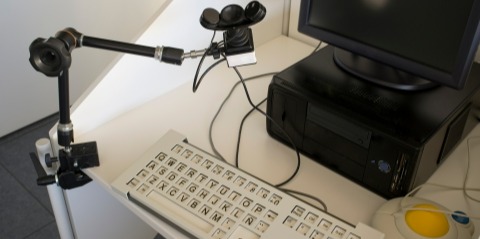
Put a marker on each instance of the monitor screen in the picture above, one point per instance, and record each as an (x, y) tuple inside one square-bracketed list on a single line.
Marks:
[(433, 40)]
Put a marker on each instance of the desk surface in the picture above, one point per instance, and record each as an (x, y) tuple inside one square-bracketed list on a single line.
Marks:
[(124, 138)]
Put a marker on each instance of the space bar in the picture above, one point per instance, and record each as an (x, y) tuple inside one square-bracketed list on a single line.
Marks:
[(169, 207)]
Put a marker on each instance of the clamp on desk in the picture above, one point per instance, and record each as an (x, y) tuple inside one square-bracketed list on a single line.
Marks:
[(52, 57)]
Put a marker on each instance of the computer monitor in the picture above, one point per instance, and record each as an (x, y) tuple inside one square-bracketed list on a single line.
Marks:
[(406, 45)]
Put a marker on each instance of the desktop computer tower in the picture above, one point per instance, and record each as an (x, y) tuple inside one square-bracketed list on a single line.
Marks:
[(388, 141)]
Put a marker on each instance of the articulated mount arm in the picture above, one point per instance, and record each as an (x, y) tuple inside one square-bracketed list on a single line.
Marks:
[(52, 57)]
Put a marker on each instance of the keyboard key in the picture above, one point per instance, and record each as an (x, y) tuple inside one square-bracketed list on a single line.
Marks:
[(207, 164), (182, 182), (249, 220), (172, 192), (187, 153), (172, 176), (192, 188), (275, 199), (152, 180), (303, 229), (143, 189), (228, 175), (202, 178), (325, 224), (191, 173), (161, 156), (214, 200), (271, 215), (240, 181), (261, 227), (205, 210), (311, 218), (223, 190), (152, 165), (162, 171), (237, 213), (177, 149), (212, 184), (219, 234), (143, 173), (290, 222), (246, 202), (217, 169), (194, 204), (226, 206), (183, 197), (181, 167), (197, 159), (216, 216), (263, 193), (298, 211), (251, 187), (234, 196), (316, 235), (258, 209), (228, 224), (162, 186), (339, 231), (203, 194), (171, 162)]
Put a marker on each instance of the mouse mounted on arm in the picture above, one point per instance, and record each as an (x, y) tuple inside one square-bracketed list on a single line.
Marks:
[(237, 36)]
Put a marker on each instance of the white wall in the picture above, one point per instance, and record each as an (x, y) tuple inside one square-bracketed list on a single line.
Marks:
[(26, 95), (177, 26)]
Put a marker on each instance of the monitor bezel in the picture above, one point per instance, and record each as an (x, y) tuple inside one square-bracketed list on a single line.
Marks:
[(455, 79)]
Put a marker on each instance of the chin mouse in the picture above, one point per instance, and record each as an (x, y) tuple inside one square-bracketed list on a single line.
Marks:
[(418, 218)]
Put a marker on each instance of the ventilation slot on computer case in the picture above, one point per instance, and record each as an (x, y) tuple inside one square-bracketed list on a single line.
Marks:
[(400, 173), (454, 133)]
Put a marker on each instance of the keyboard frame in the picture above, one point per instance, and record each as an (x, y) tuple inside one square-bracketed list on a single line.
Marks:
[(175, 138)]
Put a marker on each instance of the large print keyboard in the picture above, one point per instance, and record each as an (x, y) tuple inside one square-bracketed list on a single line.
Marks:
[(209, 198)]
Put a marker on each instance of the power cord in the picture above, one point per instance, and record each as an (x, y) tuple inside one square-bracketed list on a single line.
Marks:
[(289, 191), (196, 81), (218, 154), (297, 168)]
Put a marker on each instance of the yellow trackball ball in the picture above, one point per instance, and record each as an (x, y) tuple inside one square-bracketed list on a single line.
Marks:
[(425, 223)]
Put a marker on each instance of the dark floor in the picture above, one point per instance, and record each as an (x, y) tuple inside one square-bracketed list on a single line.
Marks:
[(25, 210)]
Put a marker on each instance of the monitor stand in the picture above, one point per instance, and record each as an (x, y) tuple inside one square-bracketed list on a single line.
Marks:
[(379, 73)]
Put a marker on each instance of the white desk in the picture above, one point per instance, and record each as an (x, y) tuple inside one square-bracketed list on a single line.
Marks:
[(124, 129), (123, 139)]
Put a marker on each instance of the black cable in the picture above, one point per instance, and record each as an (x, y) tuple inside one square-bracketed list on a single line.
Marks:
[(241, 129), (215, 151), (317, 47), (289, 191), (208, 70), (324, 205), (209, 49), (276, 125)]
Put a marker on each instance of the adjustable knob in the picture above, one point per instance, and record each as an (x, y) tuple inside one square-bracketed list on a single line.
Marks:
[(50, 160)]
